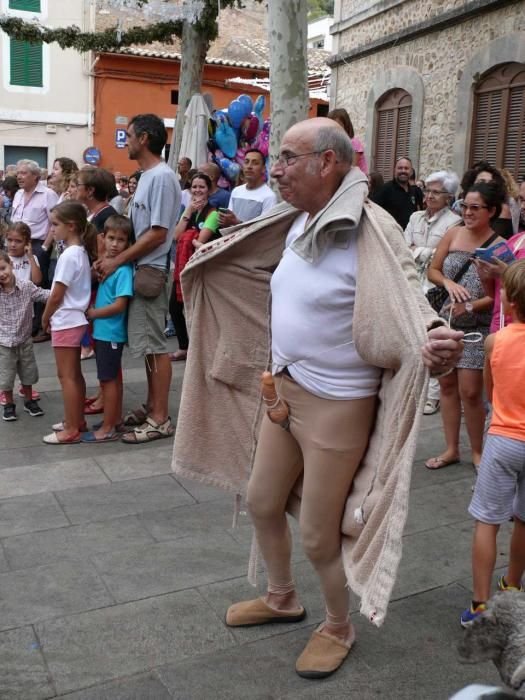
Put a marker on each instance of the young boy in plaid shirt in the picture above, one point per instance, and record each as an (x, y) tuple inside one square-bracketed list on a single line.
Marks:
[(16, 346)]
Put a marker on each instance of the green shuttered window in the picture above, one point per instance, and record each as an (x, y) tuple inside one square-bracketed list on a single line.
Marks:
[(25, 5), (26, 64)]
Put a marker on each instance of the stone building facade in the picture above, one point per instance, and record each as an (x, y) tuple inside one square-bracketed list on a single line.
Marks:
[(440, 80)]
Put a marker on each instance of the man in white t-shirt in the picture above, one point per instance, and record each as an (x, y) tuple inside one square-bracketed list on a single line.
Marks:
[(250, 200)]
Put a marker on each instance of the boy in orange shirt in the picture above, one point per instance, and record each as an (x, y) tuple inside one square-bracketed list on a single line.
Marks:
[(499, 494)]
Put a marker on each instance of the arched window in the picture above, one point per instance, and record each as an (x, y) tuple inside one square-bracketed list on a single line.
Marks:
[(392, 134), (498, 127)]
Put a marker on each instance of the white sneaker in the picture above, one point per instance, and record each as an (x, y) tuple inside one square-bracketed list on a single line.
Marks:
[(431, 407)]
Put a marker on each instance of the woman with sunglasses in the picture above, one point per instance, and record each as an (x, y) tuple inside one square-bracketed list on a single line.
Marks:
[(469, 309), (424, 231)]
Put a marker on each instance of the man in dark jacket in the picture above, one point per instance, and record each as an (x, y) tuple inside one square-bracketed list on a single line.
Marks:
[(398, 196)]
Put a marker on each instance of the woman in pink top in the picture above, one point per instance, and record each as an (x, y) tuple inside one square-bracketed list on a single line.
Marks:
[(342, 117), (490, 275)]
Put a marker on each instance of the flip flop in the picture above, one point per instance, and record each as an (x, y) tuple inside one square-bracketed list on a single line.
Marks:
[(440, 463), (90, 411), (108, 437)]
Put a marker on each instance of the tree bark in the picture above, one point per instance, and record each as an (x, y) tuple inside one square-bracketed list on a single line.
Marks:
[(287, 37), (194, 49)]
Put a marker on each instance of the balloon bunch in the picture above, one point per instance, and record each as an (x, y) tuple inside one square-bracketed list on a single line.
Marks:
[(235, 130)]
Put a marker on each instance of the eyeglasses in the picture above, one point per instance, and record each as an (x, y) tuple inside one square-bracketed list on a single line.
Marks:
[(434, 193), (285, 160), (470, 207)]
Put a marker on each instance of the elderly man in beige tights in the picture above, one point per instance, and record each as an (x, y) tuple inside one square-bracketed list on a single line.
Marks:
[(348, 321), (332, 396)]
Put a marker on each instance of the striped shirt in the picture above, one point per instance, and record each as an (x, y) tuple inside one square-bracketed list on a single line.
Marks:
[(16, 312)]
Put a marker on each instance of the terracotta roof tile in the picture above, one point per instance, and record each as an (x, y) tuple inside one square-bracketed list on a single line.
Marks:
[(242, 40)]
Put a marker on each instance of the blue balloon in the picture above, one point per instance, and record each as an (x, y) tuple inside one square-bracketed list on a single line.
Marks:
[(260, 104), (236, 113), (229, 168), (226, 139), (247, 104)]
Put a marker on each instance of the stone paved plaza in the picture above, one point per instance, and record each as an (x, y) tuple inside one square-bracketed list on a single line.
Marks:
[(115, 577)]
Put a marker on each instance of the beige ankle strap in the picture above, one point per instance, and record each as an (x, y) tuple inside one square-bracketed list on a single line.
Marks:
[(281, 588)]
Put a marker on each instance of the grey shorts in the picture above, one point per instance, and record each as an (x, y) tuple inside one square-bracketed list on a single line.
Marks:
[(500, 487), (146, 324), (18, 360)]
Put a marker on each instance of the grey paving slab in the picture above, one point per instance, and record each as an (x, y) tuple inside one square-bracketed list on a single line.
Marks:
[(145, 461), (198, 518), (30, 513), (412, 657), (4, 565), (439, 504), (143, 687), (74, 542), (123, 498), (141, 572), (104, 645), (422, 477), (28, 595), (23, 674), (434, 558), (201, 492), (23, 481)]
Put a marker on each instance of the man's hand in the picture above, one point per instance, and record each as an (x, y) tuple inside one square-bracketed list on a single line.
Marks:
[(227, 218), (91, 313), (442, 349), (105, 267)]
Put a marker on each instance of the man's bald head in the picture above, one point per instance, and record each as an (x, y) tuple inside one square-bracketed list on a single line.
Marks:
[(212, 170), (315, 155), (323, 134)]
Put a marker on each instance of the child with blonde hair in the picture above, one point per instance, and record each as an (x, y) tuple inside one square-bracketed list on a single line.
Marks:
[(499, 494)]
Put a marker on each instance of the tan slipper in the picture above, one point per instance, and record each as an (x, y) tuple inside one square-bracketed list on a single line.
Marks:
[(322, 655), (256, 612)]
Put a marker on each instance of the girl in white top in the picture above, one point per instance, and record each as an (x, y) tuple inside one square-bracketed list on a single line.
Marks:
[(65, 312)]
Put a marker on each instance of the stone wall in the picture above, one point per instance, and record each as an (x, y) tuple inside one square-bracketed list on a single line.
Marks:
[(438, 60), (371, 20)]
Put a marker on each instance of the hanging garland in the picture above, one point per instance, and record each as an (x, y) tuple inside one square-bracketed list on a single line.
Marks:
[(114, 38), (73, 38)]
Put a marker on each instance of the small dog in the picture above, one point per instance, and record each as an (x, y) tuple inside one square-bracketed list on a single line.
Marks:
[(499, 634)]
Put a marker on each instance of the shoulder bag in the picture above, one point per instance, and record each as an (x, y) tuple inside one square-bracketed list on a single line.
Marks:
[(437, 296)]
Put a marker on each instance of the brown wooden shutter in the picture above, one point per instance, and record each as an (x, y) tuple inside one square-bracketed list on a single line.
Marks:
[(392, 131), (499, 122)]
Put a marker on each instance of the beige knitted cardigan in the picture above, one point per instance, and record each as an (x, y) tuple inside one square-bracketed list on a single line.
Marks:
[(226, 289)]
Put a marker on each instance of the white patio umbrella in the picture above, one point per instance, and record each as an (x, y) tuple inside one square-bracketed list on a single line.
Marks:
[(195, 133)]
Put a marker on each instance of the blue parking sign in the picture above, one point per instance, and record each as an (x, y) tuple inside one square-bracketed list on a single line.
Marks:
[(120, 138)]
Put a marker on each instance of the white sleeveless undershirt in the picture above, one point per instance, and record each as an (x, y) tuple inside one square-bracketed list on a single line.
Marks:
[(312, 316)]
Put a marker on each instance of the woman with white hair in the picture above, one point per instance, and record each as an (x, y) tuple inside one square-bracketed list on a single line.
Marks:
[(424, 231)]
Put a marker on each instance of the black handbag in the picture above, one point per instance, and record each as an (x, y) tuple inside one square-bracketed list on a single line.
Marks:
[(437, 296)]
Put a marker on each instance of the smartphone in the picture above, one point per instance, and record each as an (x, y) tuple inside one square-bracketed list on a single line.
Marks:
[(222, 210), (499, 250)]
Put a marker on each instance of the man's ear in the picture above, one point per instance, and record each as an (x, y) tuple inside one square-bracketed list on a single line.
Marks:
[(328, 162)]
